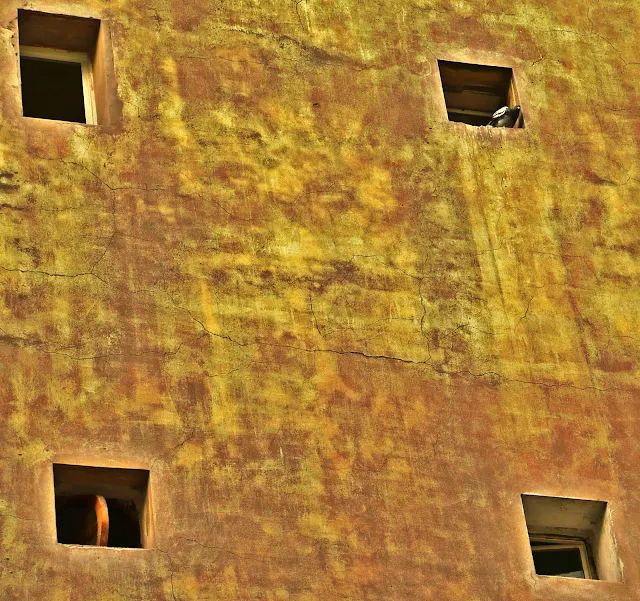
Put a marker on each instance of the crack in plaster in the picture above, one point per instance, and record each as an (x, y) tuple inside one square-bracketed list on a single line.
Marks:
[(419, 277), (526, 312), (193, 431), (224, 550), (38, 345), (15, 517), (445, 372), (204, 327), (313, 313), (57, 275), (24, 342), (171, 571), (18, 341)]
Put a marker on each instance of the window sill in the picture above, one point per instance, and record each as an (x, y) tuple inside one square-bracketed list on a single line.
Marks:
[(545, 578), (57, 122), (97, 548), (468, 127)]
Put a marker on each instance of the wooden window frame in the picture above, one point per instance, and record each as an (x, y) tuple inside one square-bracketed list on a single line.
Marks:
[(564, 543), (65, 56)]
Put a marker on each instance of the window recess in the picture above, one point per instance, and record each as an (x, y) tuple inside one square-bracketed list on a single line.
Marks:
[(571, 538), (66, 68), (102, 507), (473, 93)]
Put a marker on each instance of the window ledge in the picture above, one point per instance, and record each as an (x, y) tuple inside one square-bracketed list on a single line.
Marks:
[(58, 122), (546, 578), (96, 548)]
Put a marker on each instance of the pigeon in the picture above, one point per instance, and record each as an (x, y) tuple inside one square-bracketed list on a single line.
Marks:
[(505, 117)]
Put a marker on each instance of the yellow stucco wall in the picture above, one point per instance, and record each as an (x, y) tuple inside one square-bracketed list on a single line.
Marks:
[(344, 333)]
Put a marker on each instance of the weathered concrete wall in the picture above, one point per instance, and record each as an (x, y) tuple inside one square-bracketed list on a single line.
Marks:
[(344, 333)]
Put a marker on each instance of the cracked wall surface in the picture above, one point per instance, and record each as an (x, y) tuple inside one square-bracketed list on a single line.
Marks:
[(344, 333)]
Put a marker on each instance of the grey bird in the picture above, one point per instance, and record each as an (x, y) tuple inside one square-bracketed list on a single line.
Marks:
[(505, 117)]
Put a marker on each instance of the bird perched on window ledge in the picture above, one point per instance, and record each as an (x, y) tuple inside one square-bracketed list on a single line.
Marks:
[(505, 117)]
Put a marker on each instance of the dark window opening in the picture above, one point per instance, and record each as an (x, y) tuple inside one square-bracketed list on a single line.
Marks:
[(94, 520), (473, 93), (561, 558), (52, 89), (124, 525), (105, 507)]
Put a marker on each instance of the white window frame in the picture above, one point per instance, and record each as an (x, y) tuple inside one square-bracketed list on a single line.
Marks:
[(560, 543), (65, 56)]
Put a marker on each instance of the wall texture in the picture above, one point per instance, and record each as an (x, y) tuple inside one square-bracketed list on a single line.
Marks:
[(344, 333)]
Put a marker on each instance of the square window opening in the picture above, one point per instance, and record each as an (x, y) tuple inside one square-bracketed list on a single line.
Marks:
[(474, 94), (103, 507), (571, 538), (66, 68)]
